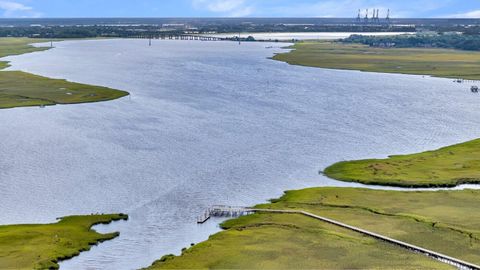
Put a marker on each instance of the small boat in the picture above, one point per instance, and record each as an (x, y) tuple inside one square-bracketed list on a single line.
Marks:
[(474, 89)]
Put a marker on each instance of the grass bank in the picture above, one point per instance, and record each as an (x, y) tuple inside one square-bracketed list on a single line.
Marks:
[(445, 167), (445, 221), (43, 246), (435, 62), (20, 89)]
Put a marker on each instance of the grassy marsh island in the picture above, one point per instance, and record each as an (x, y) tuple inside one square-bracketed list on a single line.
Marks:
[(444, 221), (20, 89), (446, 63), (42, 246), (445, 167)]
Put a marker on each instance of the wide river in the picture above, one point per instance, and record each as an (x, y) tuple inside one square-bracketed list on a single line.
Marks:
[(206, 123)]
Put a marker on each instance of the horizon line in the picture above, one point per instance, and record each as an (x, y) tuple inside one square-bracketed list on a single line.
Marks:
[(233, 18)]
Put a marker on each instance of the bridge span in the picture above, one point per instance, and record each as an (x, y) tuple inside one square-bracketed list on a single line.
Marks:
[(179, 37)]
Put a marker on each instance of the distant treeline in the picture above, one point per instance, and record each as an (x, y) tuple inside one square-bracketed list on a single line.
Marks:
[(65, 32), (448, 41), (89, 31)]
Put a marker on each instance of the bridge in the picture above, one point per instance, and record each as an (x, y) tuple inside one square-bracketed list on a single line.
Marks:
[(170, 36), (229, 211)]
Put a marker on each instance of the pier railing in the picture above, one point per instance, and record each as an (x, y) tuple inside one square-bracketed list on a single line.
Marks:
[(224, 211)]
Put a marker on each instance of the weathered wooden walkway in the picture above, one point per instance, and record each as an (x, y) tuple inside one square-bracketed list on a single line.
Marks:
[(227, 211)]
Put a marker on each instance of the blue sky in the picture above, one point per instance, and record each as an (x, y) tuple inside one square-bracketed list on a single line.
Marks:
[(235, 8)]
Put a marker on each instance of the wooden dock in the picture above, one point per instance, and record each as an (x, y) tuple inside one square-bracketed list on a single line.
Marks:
[(204, 218), (224, 211), (228, 211)]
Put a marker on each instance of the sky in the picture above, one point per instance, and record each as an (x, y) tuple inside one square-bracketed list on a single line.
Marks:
[(236, 8)]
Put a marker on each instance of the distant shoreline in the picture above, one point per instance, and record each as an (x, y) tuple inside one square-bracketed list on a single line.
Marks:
[(435, 62), (299, 36)]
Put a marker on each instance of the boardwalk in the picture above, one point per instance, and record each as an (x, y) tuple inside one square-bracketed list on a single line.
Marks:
[(223, 211)]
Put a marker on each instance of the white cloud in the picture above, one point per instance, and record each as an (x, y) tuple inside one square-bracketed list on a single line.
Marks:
[(320, 8), (475, 14), (327, 8), (231, 8), (242, 12), (15, 9)]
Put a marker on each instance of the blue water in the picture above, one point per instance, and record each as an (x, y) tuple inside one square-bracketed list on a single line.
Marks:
[(206, 123)]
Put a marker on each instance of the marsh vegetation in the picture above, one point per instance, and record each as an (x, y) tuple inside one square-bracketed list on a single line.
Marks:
[(444, 63), (445, 167), (42, 246), (20, 89), (444, 221)]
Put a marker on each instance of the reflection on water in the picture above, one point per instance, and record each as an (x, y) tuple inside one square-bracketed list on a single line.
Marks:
[(207, 123)]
